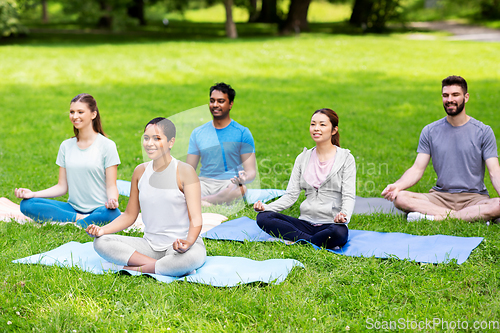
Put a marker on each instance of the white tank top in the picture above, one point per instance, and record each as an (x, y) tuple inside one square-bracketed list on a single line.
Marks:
[(163, 206)]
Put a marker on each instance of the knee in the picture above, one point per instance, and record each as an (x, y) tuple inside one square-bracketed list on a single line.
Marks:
[(113, 213), (402, 200), (102, 216), (26, 205), (339, 236), (263, 218), (181, 264), (100, 243), (495, 208)]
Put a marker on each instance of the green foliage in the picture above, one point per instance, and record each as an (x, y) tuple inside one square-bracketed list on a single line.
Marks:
[(374, 15), (490, 9), (110, 14), (416, 10), (9, 19)]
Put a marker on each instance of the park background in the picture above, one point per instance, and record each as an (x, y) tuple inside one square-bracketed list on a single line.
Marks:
[(384, 82)]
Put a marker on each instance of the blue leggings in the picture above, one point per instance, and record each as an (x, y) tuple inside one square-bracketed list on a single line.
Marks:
[(291, 228), (40, 209)]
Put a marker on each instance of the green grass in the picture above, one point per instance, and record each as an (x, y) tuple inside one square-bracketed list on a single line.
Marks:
[(384, 88)]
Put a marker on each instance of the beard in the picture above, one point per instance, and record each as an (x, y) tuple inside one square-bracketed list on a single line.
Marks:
[(458, 110)]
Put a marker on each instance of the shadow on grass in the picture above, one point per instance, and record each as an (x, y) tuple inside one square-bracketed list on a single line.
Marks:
[(72, 34)]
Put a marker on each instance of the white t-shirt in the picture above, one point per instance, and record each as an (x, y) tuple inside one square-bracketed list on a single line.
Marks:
[(86, 171)]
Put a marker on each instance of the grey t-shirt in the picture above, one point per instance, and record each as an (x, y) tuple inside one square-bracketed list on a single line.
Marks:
[(86, 171), (458, 154)]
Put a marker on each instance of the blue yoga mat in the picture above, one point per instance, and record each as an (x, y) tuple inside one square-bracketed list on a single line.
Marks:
[(252, 195), (217, 271), (430, 249)]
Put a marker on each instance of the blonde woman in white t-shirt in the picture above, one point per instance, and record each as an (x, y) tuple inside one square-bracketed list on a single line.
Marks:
[(168, 194), (88, 165)]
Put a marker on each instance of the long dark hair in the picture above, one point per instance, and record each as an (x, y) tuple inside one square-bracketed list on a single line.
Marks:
[(334, 119), (92, 104)]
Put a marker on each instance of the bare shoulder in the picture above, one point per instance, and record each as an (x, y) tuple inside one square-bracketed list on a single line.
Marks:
[(186, 171), (185, 168), (139, 170)]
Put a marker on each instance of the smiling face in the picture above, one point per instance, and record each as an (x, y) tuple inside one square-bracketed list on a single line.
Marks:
[(155, 142), (321, 128), (220, 105), (80, 115), (454, 99)]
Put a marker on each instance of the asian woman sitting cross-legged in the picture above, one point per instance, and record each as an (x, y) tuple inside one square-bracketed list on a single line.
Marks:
[(327, 173)]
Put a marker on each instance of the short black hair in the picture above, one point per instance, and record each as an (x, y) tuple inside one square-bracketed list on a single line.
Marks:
[(166, 126), (224, 88), (455, 80)]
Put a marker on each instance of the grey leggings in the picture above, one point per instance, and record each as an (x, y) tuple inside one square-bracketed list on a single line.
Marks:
[(118, 249)]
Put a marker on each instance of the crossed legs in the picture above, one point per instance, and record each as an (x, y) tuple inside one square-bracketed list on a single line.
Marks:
[(291, 228), (41, 209), (136, 254), (485, 209), (217, 191)]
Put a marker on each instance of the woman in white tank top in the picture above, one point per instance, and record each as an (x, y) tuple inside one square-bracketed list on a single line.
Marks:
[(168, 193)]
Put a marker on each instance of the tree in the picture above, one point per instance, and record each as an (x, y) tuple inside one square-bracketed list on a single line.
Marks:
[(136, 10), (108, 14), (253, 13), (374, 14), (45, 14), (9, 19), (490, 9), (296, 20), (230, 25), (269, 12)]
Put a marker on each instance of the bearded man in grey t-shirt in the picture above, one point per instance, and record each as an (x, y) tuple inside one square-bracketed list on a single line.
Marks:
[(460, 147)]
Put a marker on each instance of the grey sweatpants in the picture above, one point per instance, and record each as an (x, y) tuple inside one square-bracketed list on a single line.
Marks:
[(118, 249)]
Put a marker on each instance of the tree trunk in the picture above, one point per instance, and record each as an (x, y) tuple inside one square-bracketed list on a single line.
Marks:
[(269, 12), (360, 12), (106, 19), (230, 26), (136, 10), (253, 14), (296, 20), (45, 14)]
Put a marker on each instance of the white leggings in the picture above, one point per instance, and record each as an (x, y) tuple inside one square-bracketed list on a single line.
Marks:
[(118, 249)]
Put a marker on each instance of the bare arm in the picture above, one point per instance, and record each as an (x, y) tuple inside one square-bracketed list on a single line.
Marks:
[(249, 169), (494, 171), (129, 216), (409, 178), (192, 191), (193, 160), (55, 191), (111, 188)]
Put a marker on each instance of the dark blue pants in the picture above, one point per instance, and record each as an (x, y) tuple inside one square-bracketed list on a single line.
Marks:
[(291, 228), (40, 209)]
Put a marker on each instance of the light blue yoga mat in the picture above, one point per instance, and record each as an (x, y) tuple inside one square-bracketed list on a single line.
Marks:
[(430, 249), (252, 195), (217, 271)]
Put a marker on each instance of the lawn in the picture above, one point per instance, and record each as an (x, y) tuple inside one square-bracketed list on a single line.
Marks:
[(385, 90)]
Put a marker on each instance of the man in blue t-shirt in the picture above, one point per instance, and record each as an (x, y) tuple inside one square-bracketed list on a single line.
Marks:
[(226, 151), (460, 147)]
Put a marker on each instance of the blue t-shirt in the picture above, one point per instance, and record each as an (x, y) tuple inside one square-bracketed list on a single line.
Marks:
[(458, 154), (220, 150)]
